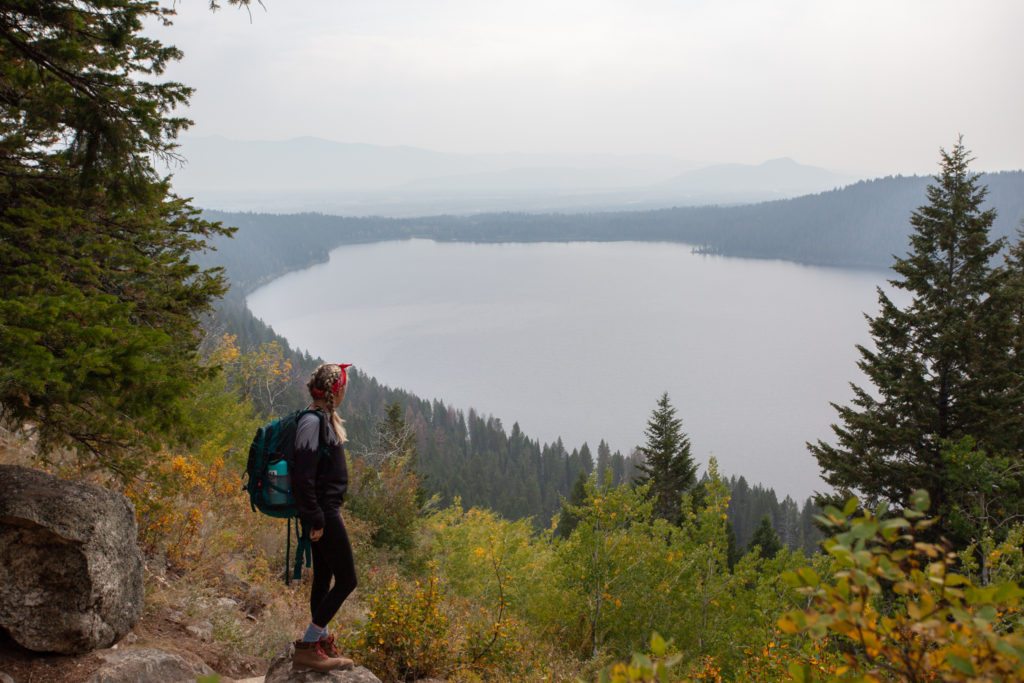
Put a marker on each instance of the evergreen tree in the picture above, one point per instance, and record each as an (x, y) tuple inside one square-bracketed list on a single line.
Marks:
[(732, 551), (394, 435), (100, 297), (810, 534), (667, 463), (943, 368), (740, 510), (384, 489), (765, 539), (787, 523), (604, 456), (567, 520), (397, 440), (586, 459), (620, 469), (1013, 300)]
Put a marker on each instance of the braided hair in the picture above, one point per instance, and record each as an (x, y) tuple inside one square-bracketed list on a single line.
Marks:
[(325, 391)]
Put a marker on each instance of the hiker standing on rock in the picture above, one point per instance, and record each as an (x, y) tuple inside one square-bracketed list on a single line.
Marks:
[(319, 483)]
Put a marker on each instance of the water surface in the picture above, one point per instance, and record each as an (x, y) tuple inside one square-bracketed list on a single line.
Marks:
[(579, 340)]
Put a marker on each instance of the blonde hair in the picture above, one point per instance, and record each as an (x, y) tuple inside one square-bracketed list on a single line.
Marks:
[(321, 384)]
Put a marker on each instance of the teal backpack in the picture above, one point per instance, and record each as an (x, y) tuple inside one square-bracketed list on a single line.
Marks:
[(270, 466)]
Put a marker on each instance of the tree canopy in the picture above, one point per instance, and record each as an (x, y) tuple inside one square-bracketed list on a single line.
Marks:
[(667, 465), (945, 369), (765, 539), (99, 315)]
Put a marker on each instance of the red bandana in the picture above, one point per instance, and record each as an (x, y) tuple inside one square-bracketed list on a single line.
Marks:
[(338, 383)]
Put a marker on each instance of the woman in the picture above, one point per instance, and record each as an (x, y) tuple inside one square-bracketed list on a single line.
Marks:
[(319, 482)]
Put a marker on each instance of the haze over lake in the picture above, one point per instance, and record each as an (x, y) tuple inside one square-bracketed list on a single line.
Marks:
[(579, 340)]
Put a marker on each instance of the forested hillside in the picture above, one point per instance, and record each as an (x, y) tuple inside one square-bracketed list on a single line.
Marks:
[(793, 523), (460, 453), (864, 224)]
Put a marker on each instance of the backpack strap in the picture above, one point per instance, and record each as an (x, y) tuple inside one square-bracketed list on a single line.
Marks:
[(303, 549), (287, 549), (323, 443)]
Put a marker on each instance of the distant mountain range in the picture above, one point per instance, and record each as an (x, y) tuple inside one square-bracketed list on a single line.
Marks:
[(311, 174)]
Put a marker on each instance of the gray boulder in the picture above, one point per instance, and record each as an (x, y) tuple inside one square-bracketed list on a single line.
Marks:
[(280, 671), (146, 665), (70, 565)]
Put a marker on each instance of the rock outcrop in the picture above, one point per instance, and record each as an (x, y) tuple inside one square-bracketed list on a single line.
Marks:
[(146, 665), (280, 671), (70, 566)]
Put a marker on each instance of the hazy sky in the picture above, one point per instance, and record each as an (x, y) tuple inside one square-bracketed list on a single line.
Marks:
[(873, 86)]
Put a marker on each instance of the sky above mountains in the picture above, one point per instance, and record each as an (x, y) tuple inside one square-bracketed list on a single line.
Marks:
[(871, 87)]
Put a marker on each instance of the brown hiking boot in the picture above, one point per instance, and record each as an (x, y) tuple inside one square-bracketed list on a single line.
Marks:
[(312, 656), (327, 645)]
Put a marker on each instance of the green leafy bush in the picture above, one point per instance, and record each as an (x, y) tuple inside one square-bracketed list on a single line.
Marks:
[(406, 633), (897, 608), (644, 668)]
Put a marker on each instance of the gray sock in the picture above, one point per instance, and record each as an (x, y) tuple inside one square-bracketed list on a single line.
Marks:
[(313, 633)]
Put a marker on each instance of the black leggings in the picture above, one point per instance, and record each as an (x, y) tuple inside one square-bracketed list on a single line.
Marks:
[(332, 558)]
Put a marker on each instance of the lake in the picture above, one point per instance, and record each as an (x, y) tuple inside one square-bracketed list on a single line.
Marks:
[(579, 340)]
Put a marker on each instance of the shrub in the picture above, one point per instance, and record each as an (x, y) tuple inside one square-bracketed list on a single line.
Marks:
[(405, 635), (897, 608), (643, 668)]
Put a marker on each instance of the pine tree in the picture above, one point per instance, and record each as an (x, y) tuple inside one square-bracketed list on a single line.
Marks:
[(396, 440), (943, 368), (787, 524), (810, 534), (732, 551), (567, 520), (604, 456), (586, 459), (100, 300), (384, 489), (667, 464), (1013, 294), (765, 539), (394, 436)]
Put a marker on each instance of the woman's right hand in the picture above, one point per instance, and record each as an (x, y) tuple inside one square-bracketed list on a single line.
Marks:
[(316, 534)]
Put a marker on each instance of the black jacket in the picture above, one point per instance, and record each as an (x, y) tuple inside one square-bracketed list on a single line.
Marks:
[(319, 481)]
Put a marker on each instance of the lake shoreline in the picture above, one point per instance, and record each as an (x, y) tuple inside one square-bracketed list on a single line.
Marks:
[(408, 329)]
